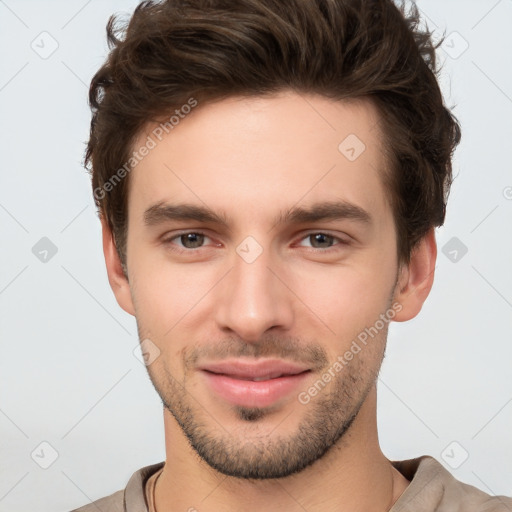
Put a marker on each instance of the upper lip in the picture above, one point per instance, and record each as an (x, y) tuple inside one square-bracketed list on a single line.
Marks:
[(262, 369)]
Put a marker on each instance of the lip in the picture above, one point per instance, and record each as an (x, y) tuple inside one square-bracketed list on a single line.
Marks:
[(253, 384)]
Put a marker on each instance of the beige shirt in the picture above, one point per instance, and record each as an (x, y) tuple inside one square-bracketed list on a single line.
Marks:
[(432, 489)]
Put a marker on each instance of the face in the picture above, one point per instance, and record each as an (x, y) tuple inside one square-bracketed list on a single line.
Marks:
[(261, 251)]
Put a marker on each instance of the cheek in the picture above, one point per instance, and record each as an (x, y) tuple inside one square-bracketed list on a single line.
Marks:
[(159, 305), (346, 294), (165, 294), (164, 300)]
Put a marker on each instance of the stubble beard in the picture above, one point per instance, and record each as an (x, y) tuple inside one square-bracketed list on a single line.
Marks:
[(247, 454)]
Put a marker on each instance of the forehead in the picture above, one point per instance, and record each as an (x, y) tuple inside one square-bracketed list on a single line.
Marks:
[(259, 154)]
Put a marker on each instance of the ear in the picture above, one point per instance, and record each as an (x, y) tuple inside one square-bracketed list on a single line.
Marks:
[(415, 279), (116, 277)]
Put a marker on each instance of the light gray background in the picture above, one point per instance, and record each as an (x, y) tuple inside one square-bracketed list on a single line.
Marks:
[(68, 373)]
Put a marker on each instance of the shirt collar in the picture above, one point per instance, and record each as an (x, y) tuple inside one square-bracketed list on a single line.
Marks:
[(134, 495)]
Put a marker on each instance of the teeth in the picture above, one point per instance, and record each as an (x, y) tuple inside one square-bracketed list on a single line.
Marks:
[(267, 377), (257, 379)]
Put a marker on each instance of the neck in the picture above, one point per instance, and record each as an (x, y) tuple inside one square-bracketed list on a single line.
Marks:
[(353, 475)]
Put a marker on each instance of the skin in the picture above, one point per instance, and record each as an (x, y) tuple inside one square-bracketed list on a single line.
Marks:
[(250, 159)]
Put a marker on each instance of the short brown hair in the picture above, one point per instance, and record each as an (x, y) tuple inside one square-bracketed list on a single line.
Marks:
[(174, 50)]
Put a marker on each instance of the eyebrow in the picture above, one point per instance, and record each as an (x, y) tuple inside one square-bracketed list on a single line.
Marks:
[(162, 212), (331, 210), (323, 211)]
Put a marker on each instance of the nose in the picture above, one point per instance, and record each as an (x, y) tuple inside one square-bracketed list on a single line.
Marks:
[(253, 300)]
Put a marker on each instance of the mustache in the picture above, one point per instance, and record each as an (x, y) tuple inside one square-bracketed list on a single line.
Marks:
[(289, 349)]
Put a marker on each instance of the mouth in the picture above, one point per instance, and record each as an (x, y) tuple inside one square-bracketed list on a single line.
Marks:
[(255, 379), (253, 384)]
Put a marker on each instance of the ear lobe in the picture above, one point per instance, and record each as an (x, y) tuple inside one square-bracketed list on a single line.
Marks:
[(416, 278), (116, 277)]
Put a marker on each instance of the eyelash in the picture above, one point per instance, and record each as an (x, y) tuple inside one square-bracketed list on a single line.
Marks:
[(182, 250)]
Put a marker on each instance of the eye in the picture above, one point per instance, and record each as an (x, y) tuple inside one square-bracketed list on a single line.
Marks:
[(191, 240), (321, 241)]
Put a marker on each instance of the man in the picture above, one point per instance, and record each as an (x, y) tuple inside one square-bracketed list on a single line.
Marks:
[(269, 176)]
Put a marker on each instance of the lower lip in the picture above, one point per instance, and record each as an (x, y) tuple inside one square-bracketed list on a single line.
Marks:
[(249, 393)]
